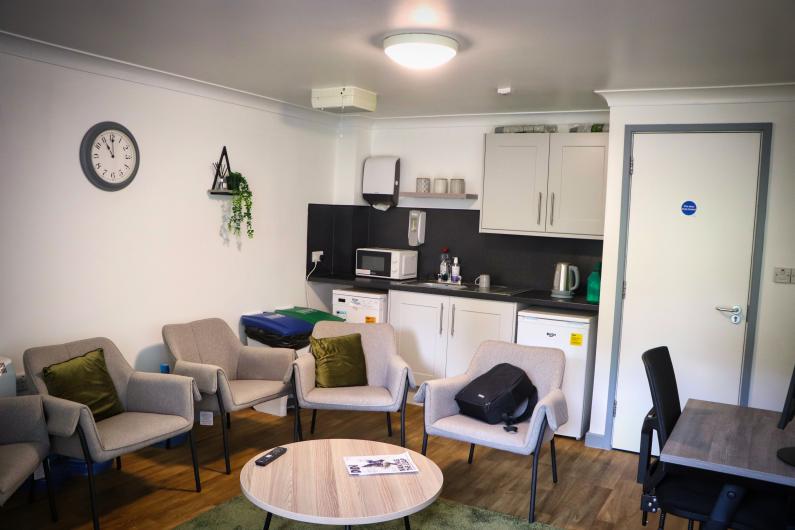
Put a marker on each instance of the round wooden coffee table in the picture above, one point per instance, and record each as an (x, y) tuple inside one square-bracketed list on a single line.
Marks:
[(309, 483)]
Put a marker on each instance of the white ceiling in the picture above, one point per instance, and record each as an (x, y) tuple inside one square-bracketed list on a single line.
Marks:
[(554, 53)]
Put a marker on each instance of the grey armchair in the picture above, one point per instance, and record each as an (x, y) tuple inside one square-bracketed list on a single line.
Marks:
[(24, 444), (544, 367), (230, 376), (156, 408), (388, 376)]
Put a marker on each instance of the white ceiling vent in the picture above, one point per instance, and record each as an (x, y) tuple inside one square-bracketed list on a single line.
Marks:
[(343, 99)]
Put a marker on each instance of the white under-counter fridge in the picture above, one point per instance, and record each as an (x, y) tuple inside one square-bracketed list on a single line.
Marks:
[(575, 334), (360, 305)]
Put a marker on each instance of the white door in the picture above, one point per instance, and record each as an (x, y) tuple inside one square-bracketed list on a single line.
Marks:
[(515, 183), (577, 180), (471, 322), (420, 322), (681, 267)]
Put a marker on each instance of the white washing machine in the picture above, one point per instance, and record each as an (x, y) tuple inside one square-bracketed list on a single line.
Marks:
[(360, 306), (575, 334)]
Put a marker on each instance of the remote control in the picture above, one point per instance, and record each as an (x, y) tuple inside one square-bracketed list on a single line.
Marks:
[(270, 456)]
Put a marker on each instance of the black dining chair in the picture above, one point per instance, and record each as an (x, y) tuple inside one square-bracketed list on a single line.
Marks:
[(716, 500)]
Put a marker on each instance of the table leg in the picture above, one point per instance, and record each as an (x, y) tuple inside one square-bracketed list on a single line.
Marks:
[(406, 523), (267, 521)]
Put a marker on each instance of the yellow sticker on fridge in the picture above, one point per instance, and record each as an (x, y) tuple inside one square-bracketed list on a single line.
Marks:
[(576, 339)]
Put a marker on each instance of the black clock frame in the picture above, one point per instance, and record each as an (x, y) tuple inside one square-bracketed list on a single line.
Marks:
[(85, 155)]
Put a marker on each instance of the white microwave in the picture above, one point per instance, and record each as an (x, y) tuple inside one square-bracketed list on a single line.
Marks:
[(391, 263)]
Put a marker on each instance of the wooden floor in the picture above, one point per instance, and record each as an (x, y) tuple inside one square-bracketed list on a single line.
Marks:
[(154, 489)]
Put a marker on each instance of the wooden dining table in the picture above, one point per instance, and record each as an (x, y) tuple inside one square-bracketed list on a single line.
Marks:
[(730, 439)]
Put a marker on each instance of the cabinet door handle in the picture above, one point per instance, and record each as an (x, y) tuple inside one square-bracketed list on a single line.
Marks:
[(452, 324), (538, 221), (552, 213), (441, 314)]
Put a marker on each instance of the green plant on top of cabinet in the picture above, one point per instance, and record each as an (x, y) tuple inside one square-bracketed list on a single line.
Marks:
[(242, 202), (545, 184)]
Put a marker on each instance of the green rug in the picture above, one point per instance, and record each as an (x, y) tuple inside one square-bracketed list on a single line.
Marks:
[(239, 514)]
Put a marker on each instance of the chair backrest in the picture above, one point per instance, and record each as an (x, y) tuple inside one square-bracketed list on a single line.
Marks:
[(378, 343), (207, 341), (664, 392), (544, 366), (36, 359)]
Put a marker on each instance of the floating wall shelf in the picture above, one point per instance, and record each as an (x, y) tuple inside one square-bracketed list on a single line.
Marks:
[(416, 195)]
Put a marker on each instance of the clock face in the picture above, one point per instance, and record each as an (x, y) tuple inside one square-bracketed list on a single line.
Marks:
[(109, 156)]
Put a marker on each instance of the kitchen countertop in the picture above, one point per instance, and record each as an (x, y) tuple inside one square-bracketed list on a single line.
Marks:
[(529, 297)]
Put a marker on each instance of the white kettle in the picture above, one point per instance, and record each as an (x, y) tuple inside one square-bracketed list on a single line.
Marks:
[(567, 279)]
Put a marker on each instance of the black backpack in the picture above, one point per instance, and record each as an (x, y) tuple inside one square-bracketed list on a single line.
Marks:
[(495, 396)]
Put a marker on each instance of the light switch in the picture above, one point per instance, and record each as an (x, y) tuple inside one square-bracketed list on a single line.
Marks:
[(782, 275)]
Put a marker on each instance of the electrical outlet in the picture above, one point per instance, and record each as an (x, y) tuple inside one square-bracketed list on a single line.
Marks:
[(782, 275), (317, 255)]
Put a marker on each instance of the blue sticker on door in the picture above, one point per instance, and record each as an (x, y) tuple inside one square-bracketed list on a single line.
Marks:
[(689, 208)]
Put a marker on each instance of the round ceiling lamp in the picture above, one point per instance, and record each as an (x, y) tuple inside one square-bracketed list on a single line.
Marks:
[(420, 51)]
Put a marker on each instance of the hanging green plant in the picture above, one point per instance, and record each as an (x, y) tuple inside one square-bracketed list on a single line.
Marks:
[(242, 201)]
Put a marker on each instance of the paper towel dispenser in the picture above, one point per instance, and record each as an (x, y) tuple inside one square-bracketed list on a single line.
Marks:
[(381, 181)]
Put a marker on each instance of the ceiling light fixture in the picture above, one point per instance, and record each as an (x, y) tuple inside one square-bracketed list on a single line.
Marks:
[(420, 51)]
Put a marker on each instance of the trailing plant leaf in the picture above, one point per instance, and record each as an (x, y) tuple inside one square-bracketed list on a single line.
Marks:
[(242, 201)]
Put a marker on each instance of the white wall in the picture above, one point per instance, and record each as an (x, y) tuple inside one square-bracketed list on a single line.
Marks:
[(453, 147), (78, 262), (774, 350)]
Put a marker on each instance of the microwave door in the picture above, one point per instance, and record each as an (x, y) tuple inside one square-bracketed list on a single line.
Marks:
[(373, 263)]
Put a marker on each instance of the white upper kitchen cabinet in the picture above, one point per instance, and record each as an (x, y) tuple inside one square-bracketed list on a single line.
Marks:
[(438, 335), (514, 192), (545, 184)]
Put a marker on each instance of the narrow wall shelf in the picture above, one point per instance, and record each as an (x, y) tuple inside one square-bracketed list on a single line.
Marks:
[(416, 195), (220, 192)]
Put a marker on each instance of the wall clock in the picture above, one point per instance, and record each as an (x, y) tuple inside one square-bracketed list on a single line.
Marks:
[(109, 156)]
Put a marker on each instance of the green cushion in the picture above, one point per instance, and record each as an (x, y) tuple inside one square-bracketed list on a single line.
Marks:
[(339, 361), (86, 380)]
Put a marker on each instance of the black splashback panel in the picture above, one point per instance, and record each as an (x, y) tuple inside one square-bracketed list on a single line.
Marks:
[(524, 261)]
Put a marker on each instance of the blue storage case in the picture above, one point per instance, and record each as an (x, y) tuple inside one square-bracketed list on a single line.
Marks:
[(274, 323)]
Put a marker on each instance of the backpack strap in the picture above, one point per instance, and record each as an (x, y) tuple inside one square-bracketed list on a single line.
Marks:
[(510, 421)]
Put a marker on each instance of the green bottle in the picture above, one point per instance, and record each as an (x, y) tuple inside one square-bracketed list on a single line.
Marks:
[(594, 282)]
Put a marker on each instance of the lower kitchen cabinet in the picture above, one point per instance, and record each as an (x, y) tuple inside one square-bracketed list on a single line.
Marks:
[(438, 335)]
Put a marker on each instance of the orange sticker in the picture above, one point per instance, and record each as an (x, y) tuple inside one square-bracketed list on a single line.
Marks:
[(369, 320)]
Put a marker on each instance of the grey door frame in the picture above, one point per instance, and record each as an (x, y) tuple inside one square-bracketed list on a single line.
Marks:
[(766, 131)]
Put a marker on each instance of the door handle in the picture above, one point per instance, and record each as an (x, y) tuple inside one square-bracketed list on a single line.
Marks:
[(441, 314), (452, 325), (538, 221), (552, 212), (735, 311)]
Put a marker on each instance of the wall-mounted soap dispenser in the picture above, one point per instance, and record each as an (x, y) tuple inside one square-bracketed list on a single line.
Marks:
[(416, 228)]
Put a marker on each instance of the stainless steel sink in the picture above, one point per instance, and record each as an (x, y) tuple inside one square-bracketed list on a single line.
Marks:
[(467, 287)]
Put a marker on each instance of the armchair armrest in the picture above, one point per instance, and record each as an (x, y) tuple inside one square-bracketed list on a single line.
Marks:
[(205, 375), (63, 415), (269, 364), (304, 372), (644, 456), (162, 394), (22, 418), (396, 373), (551, 407), (439, 397)]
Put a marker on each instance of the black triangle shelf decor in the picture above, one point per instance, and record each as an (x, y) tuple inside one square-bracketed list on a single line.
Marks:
[(222, 170)]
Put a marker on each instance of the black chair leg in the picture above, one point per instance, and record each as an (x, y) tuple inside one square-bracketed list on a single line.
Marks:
[(661, 524), (532, 516), (403, 414), (388, 424), (471, 453), (118, 463), (554, 461), (690, 524), (32, 490), (644, 518), (406, 523), (195, 460), (90, 469), (298, 436), (314, 421), (224, 433), (50, 491), (228, 420), (424, 442), (267, 521)]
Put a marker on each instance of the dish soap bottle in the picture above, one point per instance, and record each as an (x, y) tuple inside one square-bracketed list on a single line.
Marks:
[(594, 283), (455, 271), (444, 265)]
